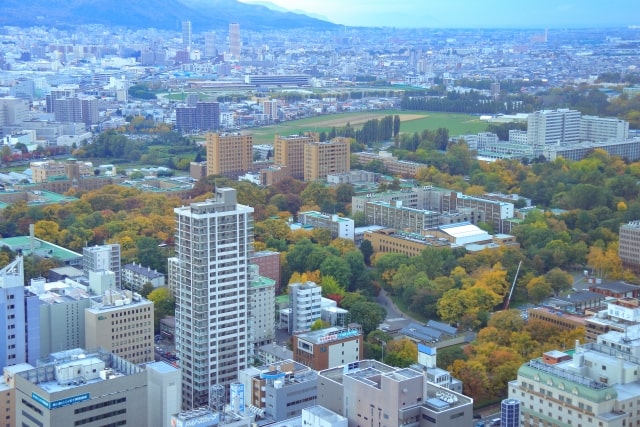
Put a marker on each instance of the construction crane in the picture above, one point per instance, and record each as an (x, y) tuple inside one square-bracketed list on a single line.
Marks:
[(513, 285)]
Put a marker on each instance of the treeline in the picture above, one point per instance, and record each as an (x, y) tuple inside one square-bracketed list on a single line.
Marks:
[(374, 130), (141, 92), (470, 103)]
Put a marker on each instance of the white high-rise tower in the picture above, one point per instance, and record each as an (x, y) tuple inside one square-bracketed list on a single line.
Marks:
[(213, 247)]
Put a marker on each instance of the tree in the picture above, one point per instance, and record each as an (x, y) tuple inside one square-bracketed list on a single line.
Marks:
[(368, 314), (538, 289), (163, 305), (367, 250), (401, 353), (319, 324), (559, 280), (146, 289), (338, 268)]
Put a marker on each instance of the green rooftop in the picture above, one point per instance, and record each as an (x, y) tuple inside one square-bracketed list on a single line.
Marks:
[(41, 248)]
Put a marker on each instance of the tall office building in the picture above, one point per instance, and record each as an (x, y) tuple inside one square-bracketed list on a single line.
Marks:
[(186, 34), (289, 151), (209, 44), (19, 318), (229, 153), (304, 305), (208, 115), (552, 127), (213, 250), (234, 40), (102, 258), (324, 158)]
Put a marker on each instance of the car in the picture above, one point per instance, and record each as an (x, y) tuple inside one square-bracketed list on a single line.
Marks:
[(495, 422), (480, 424)]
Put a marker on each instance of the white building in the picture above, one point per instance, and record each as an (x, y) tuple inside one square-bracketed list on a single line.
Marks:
[(339, 227), (599, 129), (135, 276), (213, 247), (304, 306), (547, 127), (262, 306), (102, 258)]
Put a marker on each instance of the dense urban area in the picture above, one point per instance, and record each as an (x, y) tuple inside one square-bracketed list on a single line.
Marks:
[(338, 227)]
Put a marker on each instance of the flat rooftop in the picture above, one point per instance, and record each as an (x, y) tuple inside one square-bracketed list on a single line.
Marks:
[(40, 247)]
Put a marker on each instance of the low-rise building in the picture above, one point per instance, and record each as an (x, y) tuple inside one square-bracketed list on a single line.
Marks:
[(135, 276), (338, 226), (330, 347)]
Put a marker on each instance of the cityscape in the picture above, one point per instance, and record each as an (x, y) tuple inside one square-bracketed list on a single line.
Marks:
[(279, 214)]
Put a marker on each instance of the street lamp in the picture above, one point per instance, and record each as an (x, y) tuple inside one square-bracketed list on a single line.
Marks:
[(383, 344)]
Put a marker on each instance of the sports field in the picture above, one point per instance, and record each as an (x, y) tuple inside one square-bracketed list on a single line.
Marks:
[(410, 122)]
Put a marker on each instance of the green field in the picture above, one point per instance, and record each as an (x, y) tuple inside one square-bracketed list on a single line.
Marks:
[(411, 121)]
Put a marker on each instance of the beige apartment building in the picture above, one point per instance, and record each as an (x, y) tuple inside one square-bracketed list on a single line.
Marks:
[(229, 154), (288, 150), (324, 158)]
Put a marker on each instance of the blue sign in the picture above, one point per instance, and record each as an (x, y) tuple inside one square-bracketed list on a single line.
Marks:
[(61, 402)]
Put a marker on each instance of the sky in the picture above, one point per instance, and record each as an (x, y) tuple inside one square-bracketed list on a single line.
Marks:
[(470, 13)]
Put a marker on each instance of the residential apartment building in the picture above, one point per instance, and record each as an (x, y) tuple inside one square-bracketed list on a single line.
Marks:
[(329, 347), (324, 158), (599, 129), (103, 258), (80, 388), (262, 308), (19, 318), (135, 276), (229, 154), (235, 43), (394, 215), (338, 226), (121, 322), (594, 384), (270, 108), (213, 252), (203, 116), (288, 150), (629, 246), (42, 171), (390, 396), (304, 305)]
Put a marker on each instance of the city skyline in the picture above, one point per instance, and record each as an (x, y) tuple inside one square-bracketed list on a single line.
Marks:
[(464, 13)]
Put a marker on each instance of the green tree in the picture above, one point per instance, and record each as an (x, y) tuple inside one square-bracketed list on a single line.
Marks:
[(367, 250), (368, 314)]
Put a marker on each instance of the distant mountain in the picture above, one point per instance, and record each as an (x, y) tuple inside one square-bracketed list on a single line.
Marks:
[(164, 14)]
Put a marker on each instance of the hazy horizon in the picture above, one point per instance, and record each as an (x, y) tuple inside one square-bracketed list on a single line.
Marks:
[(468, 13)]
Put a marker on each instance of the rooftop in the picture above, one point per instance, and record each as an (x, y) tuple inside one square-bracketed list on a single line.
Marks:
[(40, 247)]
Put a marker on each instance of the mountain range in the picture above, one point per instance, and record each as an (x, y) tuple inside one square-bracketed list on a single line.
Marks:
[(163, 14)]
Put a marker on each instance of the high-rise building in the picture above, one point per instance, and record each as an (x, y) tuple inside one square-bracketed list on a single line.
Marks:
[(89, 110), (324, 158), (102, 258), (553, 127), (234, 40), (186, 34), (76, 388), (210, 44), (208, 115), (19, 318), (262, 307), (629, 246), (213, 251), (289, 151), (229, 153), (68, 110)]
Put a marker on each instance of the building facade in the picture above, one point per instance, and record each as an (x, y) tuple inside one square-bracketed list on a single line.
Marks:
[(390, 396), (235, 44), (229, 154), (103, 258), (135, 276), (19, 318), (304, 305), (328, 348), (122, 323), (213, 250), (629, 246), (394, 215), (80, 388), (547, 127), (338, 226), (288, 151), (324, 158)]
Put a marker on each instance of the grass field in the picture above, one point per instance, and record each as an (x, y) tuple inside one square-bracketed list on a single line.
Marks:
[(410, 122)]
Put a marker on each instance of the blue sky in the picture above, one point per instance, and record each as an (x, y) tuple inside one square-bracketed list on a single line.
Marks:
[(471, 13)]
